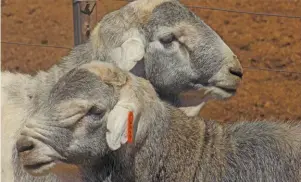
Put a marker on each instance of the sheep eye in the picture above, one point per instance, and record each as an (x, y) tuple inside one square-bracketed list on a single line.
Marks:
[(96, 112), (168, 39)]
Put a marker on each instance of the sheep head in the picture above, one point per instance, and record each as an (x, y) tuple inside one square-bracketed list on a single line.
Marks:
[(166, 43), (84, 117)]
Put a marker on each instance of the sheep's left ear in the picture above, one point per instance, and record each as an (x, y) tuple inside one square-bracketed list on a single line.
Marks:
[(120, 131), (129, 53)]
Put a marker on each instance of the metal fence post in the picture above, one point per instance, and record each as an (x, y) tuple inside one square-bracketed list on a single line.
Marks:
[(81, 19), (76, 22)]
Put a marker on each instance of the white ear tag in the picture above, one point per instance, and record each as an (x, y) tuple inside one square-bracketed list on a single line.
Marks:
[(132, 52), (120, 126)]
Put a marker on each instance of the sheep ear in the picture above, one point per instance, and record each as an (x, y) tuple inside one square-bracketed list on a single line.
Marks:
[(130, 52), (107, 72), (118, 126)]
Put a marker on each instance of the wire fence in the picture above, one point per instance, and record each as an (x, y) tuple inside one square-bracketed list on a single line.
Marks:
[(35, 45), (189, 6), (244, 12)]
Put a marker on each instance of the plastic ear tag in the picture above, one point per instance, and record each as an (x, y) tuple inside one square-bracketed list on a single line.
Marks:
[(130, 127)]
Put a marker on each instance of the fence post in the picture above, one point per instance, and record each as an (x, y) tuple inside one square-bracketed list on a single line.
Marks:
[(82, 11), (76, 22)]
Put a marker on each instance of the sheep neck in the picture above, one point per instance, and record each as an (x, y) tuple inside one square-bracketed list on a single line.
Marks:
[(177, 147), (171, 150)]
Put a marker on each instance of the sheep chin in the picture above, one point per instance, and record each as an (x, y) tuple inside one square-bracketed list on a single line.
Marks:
[(40, 169)]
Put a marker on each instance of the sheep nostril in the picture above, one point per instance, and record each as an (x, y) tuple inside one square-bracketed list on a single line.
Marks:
[(236, 72), (24, 145)]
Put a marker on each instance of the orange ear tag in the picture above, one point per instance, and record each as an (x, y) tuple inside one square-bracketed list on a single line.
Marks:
[(130, 127)]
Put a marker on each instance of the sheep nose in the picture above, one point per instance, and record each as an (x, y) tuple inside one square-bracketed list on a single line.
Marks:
[(237, 71), (24, 144)]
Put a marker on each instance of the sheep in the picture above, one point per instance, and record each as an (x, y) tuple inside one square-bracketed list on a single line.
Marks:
[(137, 36), (108, 121), (159, 40)]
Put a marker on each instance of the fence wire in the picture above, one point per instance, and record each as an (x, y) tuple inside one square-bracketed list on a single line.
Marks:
[(236, 11), (244, 12), (197, 7), (270, 70), (35, 45)]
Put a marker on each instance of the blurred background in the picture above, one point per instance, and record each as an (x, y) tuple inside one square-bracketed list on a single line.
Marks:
[(265, 35)]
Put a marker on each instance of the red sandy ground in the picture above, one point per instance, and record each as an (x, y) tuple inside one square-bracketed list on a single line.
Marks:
[(262, 42)]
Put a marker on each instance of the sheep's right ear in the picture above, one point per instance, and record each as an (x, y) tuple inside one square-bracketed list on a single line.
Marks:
[(129, 53)]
